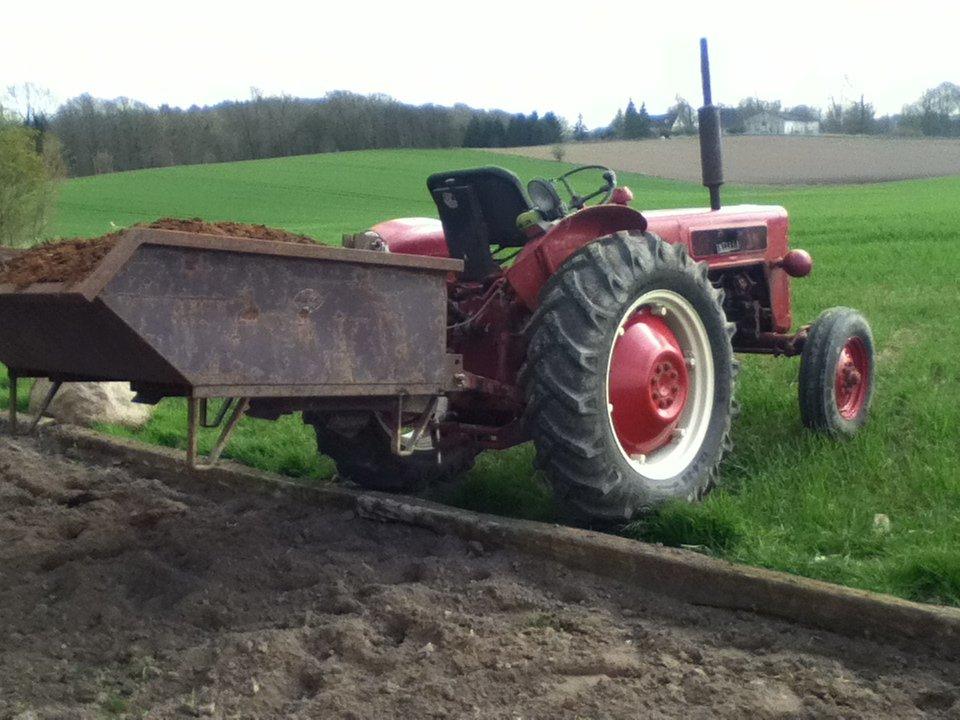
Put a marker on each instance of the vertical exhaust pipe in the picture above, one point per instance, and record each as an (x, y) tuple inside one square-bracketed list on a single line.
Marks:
[(711, 154)]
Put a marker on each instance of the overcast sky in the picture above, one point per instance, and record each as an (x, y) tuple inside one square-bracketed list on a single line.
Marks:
[(519, 56)]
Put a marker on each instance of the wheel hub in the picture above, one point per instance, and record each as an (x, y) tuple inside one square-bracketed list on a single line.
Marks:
[(648, 383), (850, 385)]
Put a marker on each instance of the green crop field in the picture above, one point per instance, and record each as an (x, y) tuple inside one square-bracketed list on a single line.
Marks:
[(789, 500)]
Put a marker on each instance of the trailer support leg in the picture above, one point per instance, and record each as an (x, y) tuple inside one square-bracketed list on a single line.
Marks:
[(12, 409), (238, 411), (399, 445), (195, 411), (51, 393), (193, 420)]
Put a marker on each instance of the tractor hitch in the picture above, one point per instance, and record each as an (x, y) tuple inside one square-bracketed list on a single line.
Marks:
[(772, 343)]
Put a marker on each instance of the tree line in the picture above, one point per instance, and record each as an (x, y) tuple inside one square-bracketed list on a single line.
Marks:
[(110, 135), (935, 114)]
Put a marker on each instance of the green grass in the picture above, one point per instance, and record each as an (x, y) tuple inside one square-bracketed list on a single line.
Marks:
[(789, 500), (283, 446)]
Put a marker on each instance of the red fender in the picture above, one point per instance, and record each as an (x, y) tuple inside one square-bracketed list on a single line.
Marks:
[(541, 258), (413, 236)]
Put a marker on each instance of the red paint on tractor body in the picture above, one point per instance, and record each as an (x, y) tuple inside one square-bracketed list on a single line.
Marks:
[(797, 263), (678, 226), (413, 236), (622, 195), (647, 384), (541, 258)]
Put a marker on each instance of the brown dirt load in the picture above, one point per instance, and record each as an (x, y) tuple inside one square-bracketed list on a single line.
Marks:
[(124, 596), (66, 261), (773, 159), (72, 260), (230, 229)]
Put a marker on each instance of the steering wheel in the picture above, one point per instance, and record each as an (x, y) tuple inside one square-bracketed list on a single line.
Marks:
[(578, 201), (547, 200)]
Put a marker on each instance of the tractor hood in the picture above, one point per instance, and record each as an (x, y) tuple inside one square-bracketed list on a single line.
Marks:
[(676, 225)]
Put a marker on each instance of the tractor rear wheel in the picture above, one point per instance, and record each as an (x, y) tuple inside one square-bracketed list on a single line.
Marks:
[(629, 377), (836, 373), (361, 449)]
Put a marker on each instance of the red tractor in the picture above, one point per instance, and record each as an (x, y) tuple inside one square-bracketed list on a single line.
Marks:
[(605, 335)]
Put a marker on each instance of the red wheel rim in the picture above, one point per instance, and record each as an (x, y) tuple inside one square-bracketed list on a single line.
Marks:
[(648, 384), (853, 378)]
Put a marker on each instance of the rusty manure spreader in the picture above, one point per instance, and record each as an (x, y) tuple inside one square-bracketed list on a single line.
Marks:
[(608, 339)]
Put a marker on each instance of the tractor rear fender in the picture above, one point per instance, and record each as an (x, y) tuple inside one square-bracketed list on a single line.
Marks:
[(541, 258), (413, 236)]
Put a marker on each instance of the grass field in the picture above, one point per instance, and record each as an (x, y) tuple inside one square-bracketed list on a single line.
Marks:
[(789, 500)]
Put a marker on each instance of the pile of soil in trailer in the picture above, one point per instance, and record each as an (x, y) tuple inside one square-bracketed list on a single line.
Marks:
[(124, 596), (69, 261)]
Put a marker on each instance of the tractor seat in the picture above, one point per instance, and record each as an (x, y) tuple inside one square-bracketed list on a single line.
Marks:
[(478, 208)]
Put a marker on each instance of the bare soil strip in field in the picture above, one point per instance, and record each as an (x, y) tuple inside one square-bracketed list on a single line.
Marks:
[(773, 160), (121, 595)]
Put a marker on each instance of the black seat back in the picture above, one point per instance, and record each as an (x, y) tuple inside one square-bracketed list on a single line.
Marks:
[(479, 207)]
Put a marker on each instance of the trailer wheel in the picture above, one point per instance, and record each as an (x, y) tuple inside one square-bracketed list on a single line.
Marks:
[(629, 378), (361, 450), (836, 373)]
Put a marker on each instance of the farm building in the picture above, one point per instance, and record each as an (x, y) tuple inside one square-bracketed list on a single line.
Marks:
[(670, 123), (772, 123)]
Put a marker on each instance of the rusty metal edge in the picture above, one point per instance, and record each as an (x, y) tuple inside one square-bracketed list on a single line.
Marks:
[(60, 289), (264, 390), (680, 574), (109, 266), (177, 238), (89, 287), (130, 239)]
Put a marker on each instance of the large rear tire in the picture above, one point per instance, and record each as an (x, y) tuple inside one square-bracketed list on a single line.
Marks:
[(361, 450), (629, 378)]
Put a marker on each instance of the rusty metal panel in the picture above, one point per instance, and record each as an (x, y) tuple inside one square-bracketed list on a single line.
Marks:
[(230, 319), (225, 316), (64, 334)]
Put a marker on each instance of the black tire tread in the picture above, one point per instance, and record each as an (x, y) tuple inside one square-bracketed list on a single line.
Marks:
[(566, 358), (818, 367), (366, 459)]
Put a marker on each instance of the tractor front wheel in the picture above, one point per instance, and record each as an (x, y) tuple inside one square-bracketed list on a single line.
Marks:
[(629, 378), (836, 373)]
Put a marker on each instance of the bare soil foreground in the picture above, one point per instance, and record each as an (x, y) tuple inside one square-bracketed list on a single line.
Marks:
[(774, 160), (121, 596)]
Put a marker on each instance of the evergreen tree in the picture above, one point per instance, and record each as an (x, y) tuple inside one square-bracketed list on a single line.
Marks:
[(579, 129), (636, 124), (552, 129), (615, 129), (644, 122)]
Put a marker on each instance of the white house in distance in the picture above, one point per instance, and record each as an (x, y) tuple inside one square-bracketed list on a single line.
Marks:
[(771, 123)]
